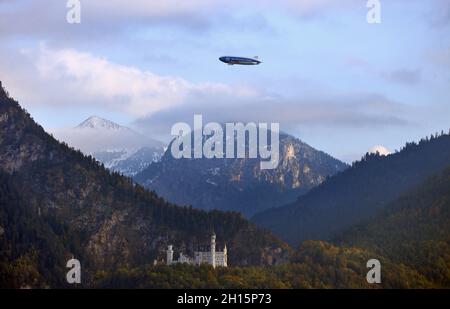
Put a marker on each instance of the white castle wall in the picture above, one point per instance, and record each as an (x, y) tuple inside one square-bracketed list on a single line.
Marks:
[(212, 257)]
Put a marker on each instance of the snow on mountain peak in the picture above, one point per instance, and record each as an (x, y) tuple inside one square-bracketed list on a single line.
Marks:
[(95, 122), (118, 147)]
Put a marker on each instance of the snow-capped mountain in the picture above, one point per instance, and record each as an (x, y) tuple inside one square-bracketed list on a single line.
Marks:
[(119, 148)]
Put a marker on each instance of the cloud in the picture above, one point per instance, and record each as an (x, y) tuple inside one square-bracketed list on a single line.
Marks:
[(84, 79), (94, 140), (345, 111), (403, 76), (46, 19), (169, 9), (113, 19), (67, 77), (440, 58), (439, 15)]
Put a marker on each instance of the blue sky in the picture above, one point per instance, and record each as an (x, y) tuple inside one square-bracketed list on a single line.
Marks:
[(330, 78)]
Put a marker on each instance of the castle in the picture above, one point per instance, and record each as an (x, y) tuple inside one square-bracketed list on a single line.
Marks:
[(211, 256)]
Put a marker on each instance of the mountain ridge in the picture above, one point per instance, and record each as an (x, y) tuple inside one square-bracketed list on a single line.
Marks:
[(239, 184)]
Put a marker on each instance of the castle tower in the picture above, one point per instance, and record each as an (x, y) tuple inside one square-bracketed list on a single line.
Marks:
[(213, 250), (225, 258), (169, 255)]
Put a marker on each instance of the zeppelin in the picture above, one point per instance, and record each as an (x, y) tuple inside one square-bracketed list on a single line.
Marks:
[(230, 60)]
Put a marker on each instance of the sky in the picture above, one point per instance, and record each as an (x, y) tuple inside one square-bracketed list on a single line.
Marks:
[(328, 77)]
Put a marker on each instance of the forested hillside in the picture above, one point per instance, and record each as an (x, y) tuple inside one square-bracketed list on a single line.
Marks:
[(357, 193), (413, 230), (57, 204)]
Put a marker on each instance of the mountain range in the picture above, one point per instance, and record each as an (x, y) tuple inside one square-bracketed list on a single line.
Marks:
[(119, 148), (57, 203), (239, 184)]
